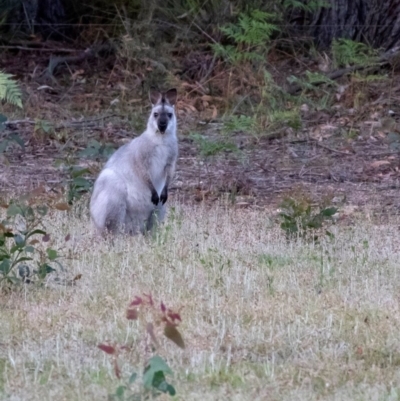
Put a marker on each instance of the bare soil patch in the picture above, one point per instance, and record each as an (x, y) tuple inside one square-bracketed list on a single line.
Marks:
[(345, 153)]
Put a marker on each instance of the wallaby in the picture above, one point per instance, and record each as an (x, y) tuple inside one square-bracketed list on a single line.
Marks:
[(130, 193)]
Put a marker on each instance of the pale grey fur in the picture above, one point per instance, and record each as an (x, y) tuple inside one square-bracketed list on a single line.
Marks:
[(137, 173)]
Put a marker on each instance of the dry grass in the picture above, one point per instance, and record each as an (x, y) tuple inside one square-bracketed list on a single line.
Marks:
[(263, 319)]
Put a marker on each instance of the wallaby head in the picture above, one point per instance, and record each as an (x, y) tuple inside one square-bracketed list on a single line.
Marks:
[(162, 118)]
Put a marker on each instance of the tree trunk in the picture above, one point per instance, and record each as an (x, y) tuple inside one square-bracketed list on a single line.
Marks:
[(37, 16), (374, 22)]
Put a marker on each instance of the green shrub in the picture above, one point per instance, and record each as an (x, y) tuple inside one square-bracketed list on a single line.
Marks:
[(24, 254), (300, 219)]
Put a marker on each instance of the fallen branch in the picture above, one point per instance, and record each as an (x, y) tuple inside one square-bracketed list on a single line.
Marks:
[(322, 146), (38, 49), (382, 60), (89, 53), (88, 123)]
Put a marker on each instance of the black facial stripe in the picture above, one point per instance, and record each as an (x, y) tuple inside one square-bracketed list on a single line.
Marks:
[(163, 113)]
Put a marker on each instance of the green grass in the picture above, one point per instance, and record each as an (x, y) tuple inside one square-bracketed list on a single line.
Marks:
[(263, 318)]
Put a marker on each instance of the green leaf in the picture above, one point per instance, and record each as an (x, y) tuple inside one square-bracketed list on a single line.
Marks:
[(44, 270), (4, 145), (78, 172), (171, 390), (159, 381), (3, 119), (81, 182), (13, 279), (120, 392), (329, 212), (161, 384), (4, 255), (41, 232), (42, 210), (16, 138), (132, 378), (5, 266), (19, 240), (155, 365), (14, 210), (51, 253), (23, 259), (29, 249)]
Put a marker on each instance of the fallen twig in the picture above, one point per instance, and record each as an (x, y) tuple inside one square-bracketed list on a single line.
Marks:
[(322, 146), (333, 150)]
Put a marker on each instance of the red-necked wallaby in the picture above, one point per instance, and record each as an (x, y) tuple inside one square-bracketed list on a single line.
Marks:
[(130, 193)]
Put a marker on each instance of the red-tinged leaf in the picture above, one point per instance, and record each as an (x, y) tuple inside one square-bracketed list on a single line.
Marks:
[(34, 242), (172, 333), (67, 237), (117, 369), (46, 238), (163, 308), (108, 349), (137, 301), (174, 316), (150, 331), (131, 314)]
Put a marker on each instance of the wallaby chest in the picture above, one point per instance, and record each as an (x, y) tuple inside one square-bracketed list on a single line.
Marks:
[(163, 155)]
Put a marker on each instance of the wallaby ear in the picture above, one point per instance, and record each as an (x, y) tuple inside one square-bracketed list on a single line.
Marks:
[(171, 96), (155, 96)]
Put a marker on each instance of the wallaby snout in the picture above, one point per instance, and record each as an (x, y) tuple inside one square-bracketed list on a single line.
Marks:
[(131, 191), (162, 125)]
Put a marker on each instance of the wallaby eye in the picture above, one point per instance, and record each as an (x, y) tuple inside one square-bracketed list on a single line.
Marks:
[(155, 115), (169, 115)]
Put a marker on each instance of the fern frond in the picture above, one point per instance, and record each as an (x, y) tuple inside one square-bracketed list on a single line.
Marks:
[(254, 29), (10, 92), (317, 78), (309, 6), (347, 52)]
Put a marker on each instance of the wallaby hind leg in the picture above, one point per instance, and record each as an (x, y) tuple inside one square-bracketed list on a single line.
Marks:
[(108, 208), (109, 215)]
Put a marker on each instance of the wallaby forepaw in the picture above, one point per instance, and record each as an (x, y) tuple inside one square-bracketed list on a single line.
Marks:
[(155, 199), (164, 195)]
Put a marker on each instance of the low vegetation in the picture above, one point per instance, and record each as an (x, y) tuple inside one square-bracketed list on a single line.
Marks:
[(262, 318)]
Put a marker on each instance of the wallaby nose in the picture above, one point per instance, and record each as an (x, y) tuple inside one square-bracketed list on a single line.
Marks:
[(162, 125)]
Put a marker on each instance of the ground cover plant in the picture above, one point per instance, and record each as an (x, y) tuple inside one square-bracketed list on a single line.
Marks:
[(262, 318)]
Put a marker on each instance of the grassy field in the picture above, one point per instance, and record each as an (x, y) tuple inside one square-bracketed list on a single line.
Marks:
[(263, 318)]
